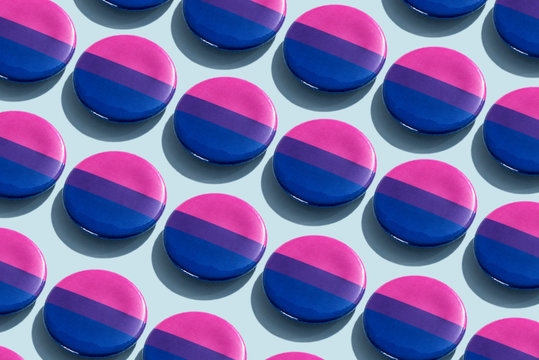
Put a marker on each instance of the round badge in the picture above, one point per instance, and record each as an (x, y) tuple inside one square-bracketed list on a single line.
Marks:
[(234, 24), (511, 130), (125, 78), (95, 313), (32, 155), (225, 121), (434, 90), (215, 237), (115, 195), (517, 23), (295, 356), (314, 279), (512, 338), (415, 317), (440, 9), (425, 203), (37, 39), (335, 48), (506, 245), (7, 354), (22, 272), (194, 335), (135, 4), (324, 163)]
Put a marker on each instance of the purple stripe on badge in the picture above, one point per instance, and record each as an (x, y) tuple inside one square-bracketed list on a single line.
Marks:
[(514, 120), (249, 10), (509, 236)]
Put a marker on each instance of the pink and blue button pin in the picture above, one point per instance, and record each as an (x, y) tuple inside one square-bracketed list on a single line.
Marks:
[(506, 245), (125, 78), (194, 335), (324, 163), (314, 279), (425, 203), (294, 356), (135, 4), (23, 272), (32, 155), (215, 237), (95, 313), (511, 338), (335, 48), (511, 131), (234, 24), (434, 90), (115, 195), (225, 121), (6, 354), (445, 9), (37, 39), (517, 23), (415, 317)]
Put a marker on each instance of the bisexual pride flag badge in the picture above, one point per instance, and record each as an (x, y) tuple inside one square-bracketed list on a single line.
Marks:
[(32, 155), (37, 40), (194, 335), (22, 272), (415, 317), (95, 313), (125, 78)]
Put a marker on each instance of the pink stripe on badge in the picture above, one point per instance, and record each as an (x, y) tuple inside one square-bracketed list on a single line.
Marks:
[(228, 212), (33, 132), (426, 294), (19, 251), (40, 15), (327, 254), (138, 54), (523, 101), (521, 215), (107, 288), (206, 330), (517, 333), (275, 5), (295, 356), (6, 354), (447, 65), (128, 170), (239, 96), (349, 24), (338, 138), (438, 178)]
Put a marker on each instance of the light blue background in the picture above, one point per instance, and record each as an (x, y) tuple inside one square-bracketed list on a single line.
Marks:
[(242, 302)]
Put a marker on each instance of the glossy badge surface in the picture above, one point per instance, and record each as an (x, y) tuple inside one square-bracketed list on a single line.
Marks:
[(135, 4), (517, 23), (511, 338), (511, 130), (22, 272), (506, 245), (324, 163), (32, 155), (335, 48), (225, 120), (314, 279), (445, 9), (194, 335), (95, 313), (434, 90), (234, 24), (6, 354), (425, 203), (215, 237), (415, 317), (37, 39), (115, 195), (294, 356), (125, 78)]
